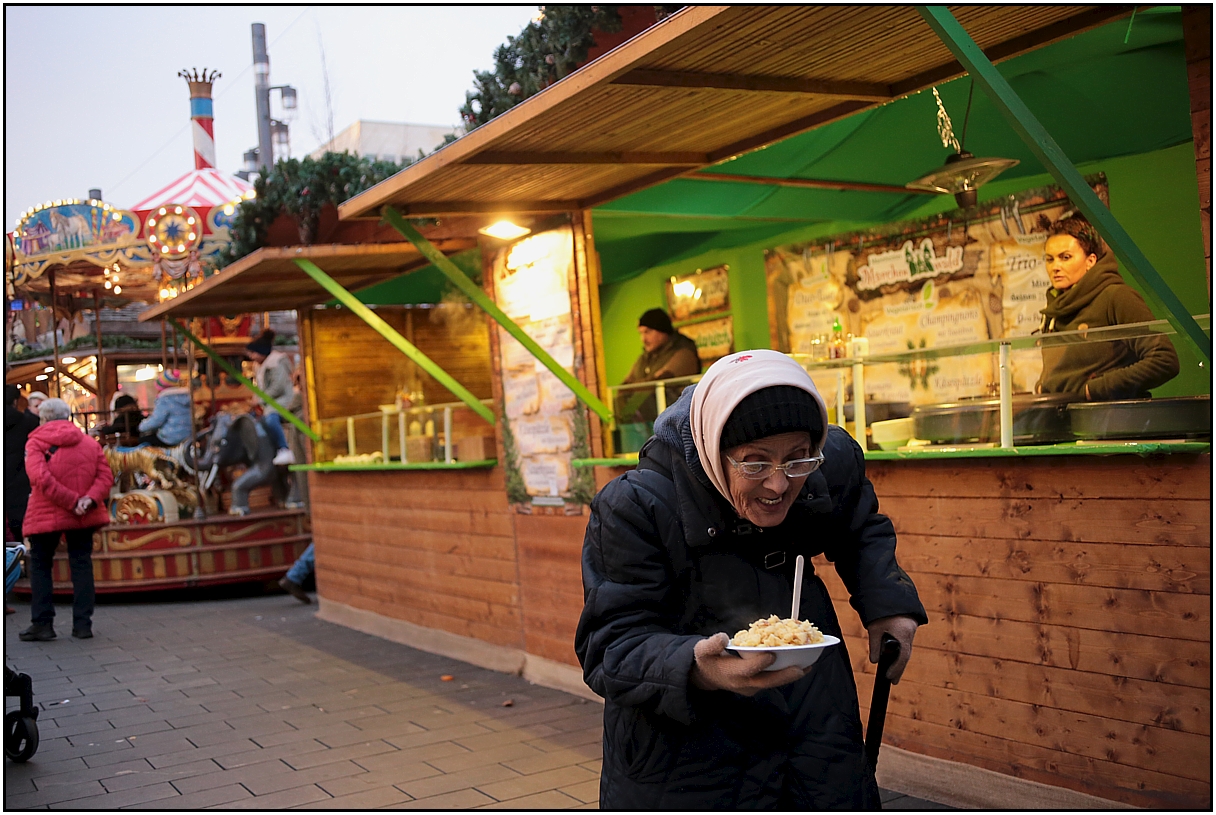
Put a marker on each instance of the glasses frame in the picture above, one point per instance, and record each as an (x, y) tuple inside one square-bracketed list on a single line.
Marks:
[(817, 462)]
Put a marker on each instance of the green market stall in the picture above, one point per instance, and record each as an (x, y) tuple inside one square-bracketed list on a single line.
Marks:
[(1068, 585)]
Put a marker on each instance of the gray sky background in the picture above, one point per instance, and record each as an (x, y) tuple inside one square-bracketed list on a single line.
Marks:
[(92, 97)]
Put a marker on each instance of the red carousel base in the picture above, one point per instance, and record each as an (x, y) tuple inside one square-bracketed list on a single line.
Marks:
[(207, 552)]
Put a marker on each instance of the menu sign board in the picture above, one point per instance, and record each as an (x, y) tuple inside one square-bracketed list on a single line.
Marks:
[(532, 285), (954, 278), (698, 294)]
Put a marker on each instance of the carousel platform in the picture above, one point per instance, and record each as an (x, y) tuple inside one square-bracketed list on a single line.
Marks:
[(190, 552)]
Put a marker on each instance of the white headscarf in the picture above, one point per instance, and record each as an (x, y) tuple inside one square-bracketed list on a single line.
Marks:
[(727, 382)]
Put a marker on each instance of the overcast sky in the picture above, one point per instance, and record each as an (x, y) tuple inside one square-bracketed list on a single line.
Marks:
[(92, 97)]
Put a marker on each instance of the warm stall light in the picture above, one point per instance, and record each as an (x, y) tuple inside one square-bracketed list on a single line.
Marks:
[(504, 230), (151, 239), (163, 210), (41, 378), (108, 284), (145, 373), (48, 369), (178, 210), (68, 360), (686, 288), (229, 209), (164, 294), (118, 289), (190, 220), (193, 235)]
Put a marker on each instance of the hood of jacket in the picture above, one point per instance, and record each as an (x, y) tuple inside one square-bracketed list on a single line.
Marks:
[(178, 393), (1062, 305), (61, 432)]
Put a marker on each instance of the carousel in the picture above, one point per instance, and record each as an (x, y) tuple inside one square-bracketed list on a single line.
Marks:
[(210, 510)]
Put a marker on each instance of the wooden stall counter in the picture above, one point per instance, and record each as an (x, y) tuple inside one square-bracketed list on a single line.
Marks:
[(434, 556)]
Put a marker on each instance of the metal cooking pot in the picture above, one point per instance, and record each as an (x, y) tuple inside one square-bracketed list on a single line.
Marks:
[(1177, 417), (1037, 419)]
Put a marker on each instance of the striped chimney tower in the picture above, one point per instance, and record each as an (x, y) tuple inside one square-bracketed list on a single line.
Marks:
[(200, 116)]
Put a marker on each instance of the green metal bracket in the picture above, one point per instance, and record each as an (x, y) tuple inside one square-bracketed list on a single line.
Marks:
[(1045, 149), (462, 282), (401, 343), (235, 374)]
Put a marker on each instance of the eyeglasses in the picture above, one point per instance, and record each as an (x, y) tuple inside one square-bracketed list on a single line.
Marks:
[(760, 470)]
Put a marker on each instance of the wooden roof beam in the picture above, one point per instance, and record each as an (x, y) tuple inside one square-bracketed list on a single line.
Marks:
[(807, 183), (687, 159), (868, 91)]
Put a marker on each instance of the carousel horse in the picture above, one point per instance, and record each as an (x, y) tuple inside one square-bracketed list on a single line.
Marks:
[(150, 486), (240, 440)]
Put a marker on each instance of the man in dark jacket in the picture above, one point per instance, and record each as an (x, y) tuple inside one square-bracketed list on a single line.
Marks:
[(676, 552), (17, 427)]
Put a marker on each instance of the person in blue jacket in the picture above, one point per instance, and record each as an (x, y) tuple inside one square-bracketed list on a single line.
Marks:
[(169, 424)]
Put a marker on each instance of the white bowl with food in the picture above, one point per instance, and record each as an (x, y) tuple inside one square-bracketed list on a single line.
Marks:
[(791, 642)]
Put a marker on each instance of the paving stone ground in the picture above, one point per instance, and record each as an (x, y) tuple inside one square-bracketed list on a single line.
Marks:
[(253, 703)]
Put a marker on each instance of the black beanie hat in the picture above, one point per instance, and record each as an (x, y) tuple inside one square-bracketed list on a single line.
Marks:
[(657, 319), (770, 411), (263, 345), (11, 392)]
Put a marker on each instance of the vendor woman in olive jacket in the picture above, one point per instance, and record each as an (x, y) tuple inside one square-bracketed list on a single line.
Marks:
[(1087, 292)]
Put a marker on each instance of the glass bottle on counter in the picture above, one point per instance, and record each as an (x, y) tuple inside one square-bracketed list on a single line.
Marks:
[(838, 349)]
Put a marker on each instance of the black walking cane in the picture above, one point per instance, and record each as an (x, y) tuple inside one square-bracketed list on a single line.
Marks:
[(888, 652)]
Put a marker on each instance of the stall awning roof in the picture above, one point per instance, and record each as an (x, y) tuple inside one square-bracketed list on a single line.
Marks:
[(705, 85), (270, 280)]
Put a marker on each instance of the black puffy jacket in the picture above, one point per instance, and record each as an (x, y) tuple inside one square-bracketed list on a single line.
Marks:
[(666, 562)]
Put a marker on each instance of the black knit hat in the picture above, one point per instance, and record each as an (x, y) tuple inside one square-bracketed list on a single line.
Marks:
[(657, 319), (263, 345), (770, 411)]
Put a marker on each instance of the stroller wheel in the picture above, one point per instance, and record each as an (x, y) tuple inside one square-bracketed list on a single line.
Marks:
[(20, 736)]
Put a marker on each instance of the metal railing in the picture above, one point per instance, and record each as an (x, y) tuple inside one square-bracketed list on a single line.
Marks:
[(393, 420)]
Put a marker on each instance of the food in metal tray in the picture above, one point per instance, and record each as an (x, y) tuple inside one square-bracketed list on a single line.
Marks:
[(772, 632)]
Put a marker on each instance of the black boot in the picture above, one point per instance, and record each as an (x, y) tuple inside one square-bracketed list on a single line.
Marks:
[(295, 590), (82, 632), (38, 632)]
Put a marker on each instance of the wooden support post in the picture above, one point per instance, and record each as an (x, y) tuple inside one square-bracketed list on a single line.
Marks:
[(164, 353), (199, 511), (1045, 149), (55, 336), (102, 402)]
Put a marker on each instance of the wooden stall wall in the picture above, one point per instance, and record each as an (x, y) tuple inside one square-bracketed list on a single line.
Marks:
[(435, 548), (356, 369), (1069, 635)]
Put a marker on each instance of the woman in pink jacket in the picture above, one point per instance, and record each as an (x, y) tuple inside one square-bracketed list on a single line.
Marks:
[(70, 481)]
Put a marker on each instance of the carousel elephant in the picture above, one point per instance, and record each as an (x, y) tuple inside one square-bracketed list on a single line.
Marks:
[(241, 440)]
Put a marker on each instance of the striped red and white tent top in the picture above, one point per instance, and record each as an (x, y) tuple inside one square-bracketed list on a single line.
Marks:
[(201, 189)]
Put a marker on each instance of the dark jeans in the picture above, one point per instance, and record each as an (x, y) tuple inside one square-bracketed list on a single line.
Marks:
[(80, 559)]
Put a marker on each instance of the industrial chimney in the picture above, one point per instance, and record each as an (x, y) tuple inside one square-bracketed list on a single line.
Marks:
[(200, 116)]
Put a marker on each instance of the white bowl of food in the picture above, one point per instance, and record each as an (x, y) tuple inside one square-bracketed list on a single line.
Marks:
[(791, 642)]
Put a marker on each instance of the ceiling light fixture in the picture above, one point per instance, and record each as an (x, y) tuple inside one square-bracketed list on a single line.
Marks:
[(504, 230), (962, 174)]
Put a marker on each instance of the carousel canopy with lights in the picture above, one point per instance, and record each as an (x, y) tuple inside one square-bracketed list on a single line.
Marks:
[(161, 246)]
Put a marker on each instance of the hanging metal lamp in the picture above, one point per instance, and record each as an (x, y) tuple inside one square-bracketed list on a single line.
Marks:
[(962, 174)]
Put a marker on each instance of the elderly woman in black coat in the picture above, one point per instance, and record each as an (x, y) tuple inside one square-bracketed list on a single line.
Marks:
[(742, 475)]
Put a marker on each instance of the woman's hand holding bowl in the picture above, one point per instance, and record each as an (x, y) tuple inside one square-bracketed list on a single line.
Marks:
[(717, 669)]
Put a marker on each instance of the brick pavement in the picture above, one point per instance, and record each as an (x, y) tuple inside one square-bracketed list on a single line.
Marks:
[(253, 703)]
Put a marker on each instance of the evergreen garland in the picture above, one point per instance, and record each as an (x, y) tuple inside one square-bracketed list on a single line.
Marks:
[(300, 188), (545, 51)]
